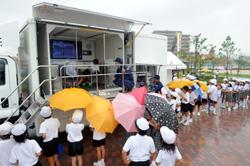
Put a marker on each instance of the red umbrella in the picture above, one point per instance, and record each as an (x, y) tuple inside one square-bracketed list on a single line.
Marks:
[(139, 94)]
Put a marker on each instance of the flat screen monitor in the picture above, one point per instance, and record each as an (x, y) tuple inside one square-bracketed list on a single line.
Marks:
[(64, 49)]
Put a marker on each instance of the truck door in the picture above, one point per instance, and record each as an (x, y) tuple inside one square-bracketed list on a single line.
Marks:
[(4, 87)]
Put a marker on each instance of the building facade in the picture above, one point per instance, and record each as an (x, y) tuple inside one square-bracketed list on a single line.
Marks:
[(177, 41)]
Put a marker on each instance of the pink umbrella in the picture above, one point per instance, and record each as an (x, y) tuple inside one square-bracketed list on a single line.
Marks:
[(127, 110), (139, 94)]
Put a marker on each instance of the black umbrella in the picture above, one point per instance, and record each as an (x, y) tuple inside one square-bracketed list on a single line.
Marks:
[(161, 111)]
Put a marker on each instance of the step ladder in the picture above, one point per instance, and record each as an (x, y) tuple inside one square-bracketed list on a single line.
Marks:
[(30, 114)]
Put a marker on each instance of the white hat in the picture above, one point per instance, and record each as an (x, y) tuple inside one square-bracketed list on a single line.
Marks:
[(18, 129), (191, 77), (213, 81), (167, 135), (77, 116), (5, 128), (142, 124), (175, 78), (45, 111), (225, 79)]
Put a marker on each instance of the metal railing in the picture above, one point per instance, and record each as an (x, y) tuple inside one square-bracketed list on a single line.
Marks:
[(27, 98), (26, 78)]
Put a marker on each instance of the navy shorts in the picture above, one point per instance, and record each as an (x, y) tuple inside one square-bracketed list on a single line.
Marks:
[(184, 107), (50, 148), (75, 148), (140, 163), (98, 143)]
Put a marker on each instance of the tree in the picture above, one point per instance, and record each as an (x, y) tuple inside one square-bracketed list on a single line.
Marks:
[(199, 46), (241, 62), (228, 50)]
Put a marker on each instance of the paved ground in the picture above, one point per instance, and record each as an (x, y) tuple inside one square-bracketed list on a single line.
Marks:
[(209, 141)]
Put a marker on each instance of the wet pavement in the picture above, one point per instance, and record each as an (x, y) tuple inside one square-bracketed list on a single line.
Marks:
[(209, 141)]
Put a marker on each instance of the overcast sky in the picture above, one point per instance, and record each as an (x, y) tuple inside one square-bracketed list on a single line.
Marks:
[(214, 19)]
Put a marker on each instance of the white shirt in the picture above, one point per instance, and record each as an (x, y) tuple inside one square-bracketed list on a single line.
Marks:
[(218, 94), (166, 158), (236, 88), (25, 153), (98, 135), (5, 149), (204, 95), (74, 131), (224, 86), (187, 96), (212, 92), (193, 97), (50, 128), (139, 147), (246, 87), (173, 104)]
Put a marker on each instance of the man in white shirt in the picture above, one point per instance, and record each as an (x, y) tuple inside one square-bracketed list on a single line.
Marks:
[(6, 143), (49, 131), (140, 147), (212, 99)]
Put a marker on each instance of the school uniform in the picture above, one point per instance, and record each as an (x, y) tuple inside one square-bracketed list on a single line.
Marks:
[(229, 94), (50, 127), (75, 138), (99, 138), (185, 103), (6, 144), (6, 147), (212, 94), (166, 158), (192, 99), (236, 93), (25, 153), (140, 149)]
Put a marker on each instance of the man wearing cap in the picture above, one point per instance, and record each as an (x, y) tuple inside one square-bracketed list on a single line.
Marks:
[(49, 132), (157, 85), (6, 143), (25, 152), (169, 153), (140, 147), (123, 76)]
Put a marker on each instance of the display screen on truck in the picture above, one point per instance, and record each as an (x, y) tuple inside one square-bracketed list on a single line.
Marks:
[(63, 49)]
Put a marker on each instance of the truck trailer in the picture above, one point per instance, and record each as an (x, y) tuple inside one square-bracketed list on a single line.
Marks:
[(59, 47)]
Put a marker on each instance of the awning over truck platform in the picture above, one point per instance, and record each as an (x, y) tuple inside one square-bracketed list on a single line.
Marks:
[(58, 13)]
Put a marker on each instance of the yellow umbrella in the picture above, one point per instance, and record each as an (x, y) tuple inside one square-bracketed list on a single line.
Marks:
[(179, 83), (100, 115), (203, 86), (70, 98)]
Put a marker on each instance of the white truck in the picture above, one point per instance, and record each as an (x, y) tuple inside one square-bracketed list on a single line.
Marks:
[(60, 38)]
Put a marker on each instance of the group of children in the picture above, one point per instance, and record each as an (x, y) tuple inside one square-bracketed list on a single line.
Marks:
[(22, 151), (184, 101)]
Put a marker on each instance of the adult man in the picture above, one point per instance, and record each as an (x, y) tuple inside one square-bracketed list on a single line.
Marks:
[(123, 76)]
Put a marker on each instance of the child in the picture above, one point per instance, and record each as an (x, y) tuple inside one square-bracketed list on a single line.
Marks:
[(236, 88), (75, 138), (6, 143), (140, 146), (185, 97), (49, 132), (212, 96), (169, 153), (217, 98), (26, 152), (229, 96), (99, 141), (192, 101)]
